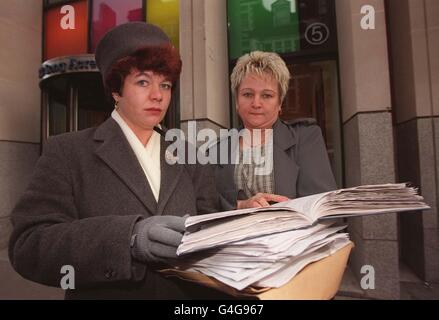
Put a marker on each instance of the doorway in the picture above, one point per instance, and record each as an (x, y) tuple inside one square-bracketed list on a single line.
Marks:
[(77, 101), (313, 93)]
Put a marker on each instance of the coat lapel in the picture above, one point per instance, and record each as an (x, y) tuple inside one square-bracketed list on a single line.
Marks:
[(226, 171), (170, 175), (286, 169), (116, 152)]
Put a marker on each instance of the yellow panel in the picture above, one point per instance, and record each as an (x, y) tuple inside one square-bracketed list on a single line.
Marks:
[(165, 14)]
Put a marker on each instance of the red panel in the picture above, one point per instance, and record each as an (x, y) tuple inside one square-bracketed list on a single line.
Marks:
[(110, 13), (62, 42)]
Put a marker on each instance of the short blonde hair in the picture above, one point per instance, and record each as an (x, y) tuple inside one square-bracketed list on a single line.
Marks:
[(261, 63)]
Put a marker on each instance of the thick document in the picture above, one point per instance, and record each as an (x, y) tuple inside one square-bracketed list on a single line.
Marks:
[(218, 229), (260, 249)]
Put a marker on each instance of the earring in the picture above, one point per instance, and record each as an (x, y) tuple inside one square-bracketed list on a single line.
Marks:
[(116, 105)]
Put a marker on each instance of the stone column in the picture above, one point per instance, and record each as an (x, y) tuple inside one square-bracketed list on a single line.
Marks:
[(414, 35), (368, 138), (20, 31), (204, 94)]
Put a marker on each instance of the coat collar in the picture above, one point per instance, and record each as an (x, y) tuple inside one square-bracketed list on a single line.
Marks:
[(170, 175), (116, 152), (283, 137)]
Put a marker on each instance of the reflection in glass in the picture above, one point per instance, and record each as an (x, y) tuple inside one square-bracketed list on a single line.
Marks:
[(317, 25), (110, 13), (268, 25), (283, 26), (313, 93), (165, 14), (93, 108)]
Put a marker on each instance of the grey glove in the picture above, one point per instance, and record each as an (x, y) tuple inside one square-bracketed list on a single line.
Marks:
[(157, 238)]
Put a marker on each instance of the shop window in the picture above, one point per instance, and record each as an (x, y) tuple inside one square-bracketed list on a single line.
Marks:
[(62, 42), (317, 25), (74, 99), (165, 14), (313, 93), (261, 22), (74, 102), (303, 25), (93, 109), (110, 13)]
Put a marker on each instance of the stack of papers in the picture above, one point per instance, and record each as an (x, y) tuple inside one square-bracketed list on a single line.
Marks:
[(268, 261), (267, 247)]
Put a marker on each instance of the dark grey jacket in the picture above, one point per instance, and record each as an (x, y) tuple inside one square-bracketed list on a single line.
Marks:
[(87, 191), (301, 164)]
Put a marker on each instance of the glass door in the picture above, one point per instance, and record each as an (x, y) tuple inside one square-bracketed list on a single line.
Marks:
[(78, 101), (313, 93), (92, 105), (73, 102)]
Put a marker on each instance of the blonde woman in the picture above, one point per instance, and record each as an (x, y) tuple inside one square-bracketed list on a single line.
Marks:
[(296, 149)]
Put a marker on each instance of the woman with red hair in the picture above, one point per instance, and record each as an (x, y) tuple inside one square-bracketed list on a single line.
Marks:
[(104, 200)]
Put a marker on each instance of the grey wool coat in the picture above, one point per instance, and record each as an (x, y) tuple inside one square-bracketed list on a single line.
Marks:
[(86, 194), (301, 165)]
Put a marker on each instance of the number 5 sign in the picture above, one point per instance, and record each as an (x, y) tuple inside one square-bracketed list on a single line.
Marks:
[(317, 33)]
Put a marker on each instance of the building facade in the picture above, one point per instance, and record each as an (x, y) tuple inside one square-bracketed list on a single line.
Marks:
[(367, 70)]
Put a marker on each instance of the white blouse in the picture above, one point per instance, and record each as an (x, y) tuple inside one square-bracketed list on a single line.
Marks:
[(148, 156)]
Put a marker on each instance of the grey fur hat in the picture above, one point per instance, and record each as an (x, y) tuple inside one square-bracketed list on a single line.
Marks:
[(125, 39)]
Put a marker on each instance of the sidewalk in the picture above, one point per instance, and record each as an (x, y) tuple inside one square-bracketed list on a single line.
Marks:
[(411, 287), (15, 287)]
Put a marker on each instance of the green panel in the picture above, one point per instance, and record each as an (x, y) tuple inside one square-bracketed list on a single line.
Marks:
[(267, 25)]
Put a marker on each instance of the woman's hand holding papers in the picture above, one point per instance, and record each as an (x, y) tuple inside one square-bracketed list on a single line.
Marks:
[(260, 200)]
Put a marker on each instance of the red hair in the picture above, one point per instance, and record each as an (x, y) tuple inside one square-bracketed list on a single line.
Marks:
[(163, 60)]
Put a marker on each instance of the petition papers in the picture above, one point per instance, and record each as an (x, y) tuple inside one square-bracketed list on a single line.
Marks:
[(270, 260), (267, 247)]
